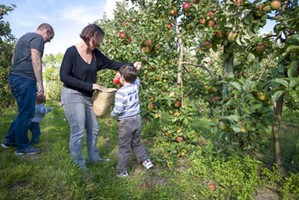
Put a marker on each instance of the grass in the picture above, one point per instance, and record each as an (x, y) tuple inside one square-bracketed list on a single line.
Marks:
[(178, 173)]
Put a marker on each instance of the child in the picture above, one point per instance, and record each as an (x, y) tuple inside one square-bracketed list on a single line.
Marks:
[(127, 113), (40, 111)]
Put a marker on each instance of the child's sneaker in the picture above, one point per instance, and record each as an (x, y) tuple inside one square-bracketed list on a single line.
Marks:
[(147, 164), (123, 174)]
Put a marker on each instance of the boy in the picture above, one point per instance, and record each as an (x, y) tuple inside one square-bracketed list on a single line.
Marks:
[(127, 113), (40, 111)]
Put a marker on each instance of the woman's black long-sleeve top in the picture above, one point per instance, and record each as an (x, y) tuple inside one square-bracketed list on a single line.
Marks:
[(76, 74)]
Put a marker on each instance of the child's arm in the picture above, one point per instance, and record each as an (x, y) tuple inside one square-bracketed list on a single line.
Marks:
[(119, 105)]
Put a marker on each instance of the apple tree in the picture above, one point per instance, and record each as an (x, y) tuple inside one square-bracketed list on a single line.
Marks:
[(7, 41)]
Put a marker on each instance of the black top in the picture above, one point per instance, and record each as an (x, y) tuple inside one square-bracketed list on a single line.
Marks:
[(76, 74)]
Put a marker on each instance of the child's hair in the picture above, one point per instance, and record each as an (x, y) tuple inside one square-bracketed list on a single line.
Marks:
[(40, 99), (129, 73)]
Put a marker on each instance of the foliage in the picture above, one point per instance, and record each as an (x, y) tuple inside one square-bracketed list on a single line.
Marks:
[(6, 48), (53, 85)]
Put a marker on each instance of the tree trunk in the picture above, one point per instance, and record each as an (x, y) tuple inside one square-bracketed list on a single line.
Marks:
[(228, 67), (275, 130)]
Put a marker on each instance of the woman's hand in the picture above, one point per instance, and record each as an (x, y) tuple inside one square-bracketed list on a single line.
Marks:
[(96, 87)]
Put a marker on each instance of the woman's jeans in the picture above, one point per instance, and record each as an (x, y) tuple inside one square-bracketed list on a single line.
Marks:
[(24, 90), (79, 112)]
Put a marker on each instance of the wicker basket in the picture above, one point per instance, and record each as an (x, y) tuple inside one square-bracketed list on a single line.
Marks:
[(103, 100)]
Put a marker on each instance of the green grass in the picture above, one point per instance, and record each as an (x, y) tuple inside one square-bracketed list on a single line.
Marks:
[(178, 173)]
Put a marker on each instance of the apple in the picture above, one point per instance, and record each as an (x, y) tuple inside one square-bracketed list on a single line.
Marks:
[(210, 14), (223, 126), (261, 96), (145, 49), (177, 103), (218, 34), (214, 99), (275, 5), (152, 98), (169, 25), (173, 12), (239, 2), (260, 48), (166, 133), (129, 40), (134, 20), (212, 187), (150, 106), (122, 35), (116, 81), (243, 127), (186, 5), (211, 22), (148, 42), (202, 20), (179, 138), (207, 44)]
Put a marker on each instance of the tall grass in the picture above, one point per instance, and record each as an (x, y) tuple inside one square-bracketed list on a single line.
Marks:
[(52, 175)]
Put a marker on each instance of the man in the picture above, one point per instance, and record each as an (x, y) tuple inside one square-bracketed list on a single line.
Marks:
[(26, 82)]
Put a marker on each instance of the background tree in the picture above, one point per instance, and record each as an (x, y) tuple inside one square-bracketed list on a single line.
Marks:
[(7, 42)]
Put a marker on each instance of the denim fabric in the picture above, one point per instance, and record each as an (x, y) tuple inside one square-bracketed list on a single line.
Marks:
[(35, 130), (79, 112), (24, 90), (130, 138)]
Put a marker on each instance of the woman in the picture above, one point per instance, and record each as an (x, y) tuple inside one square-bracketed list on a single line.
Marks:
[(78, 73)]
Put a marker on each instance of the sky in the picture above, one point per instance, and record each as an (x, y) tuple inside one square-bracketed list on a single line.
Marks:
[(68, 18)]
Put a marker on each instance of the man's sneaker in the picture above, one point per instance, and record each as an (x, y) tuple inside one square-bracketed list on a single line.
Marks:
[(28, 151), (123, 174), (147, 164), (7, 145)]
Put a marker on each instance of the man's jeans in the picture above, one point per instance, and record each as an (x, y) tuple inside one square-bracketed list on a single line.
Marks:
[(79, 112), (24, 90)]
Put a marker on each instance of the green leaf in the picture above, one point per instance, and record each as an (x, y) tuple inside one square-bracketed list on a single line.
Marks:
[(294, 95), (236, 85), (281, 81)]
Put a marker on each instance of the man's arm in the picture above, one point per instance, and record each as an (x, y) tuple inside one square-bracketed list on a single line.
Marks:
[(37, 68)]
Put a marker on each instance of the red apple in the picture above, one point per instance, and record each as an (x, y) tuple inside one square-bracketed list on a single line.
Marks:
[(179, 139), (122, 35), (169, 25), (210, 14), (173, 12), (214, 99), (202, 20), (207, 44), (148, 42), (275, 5), (212, 187), (211, 22), (116, 81), (186, 5), (129, 40)]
